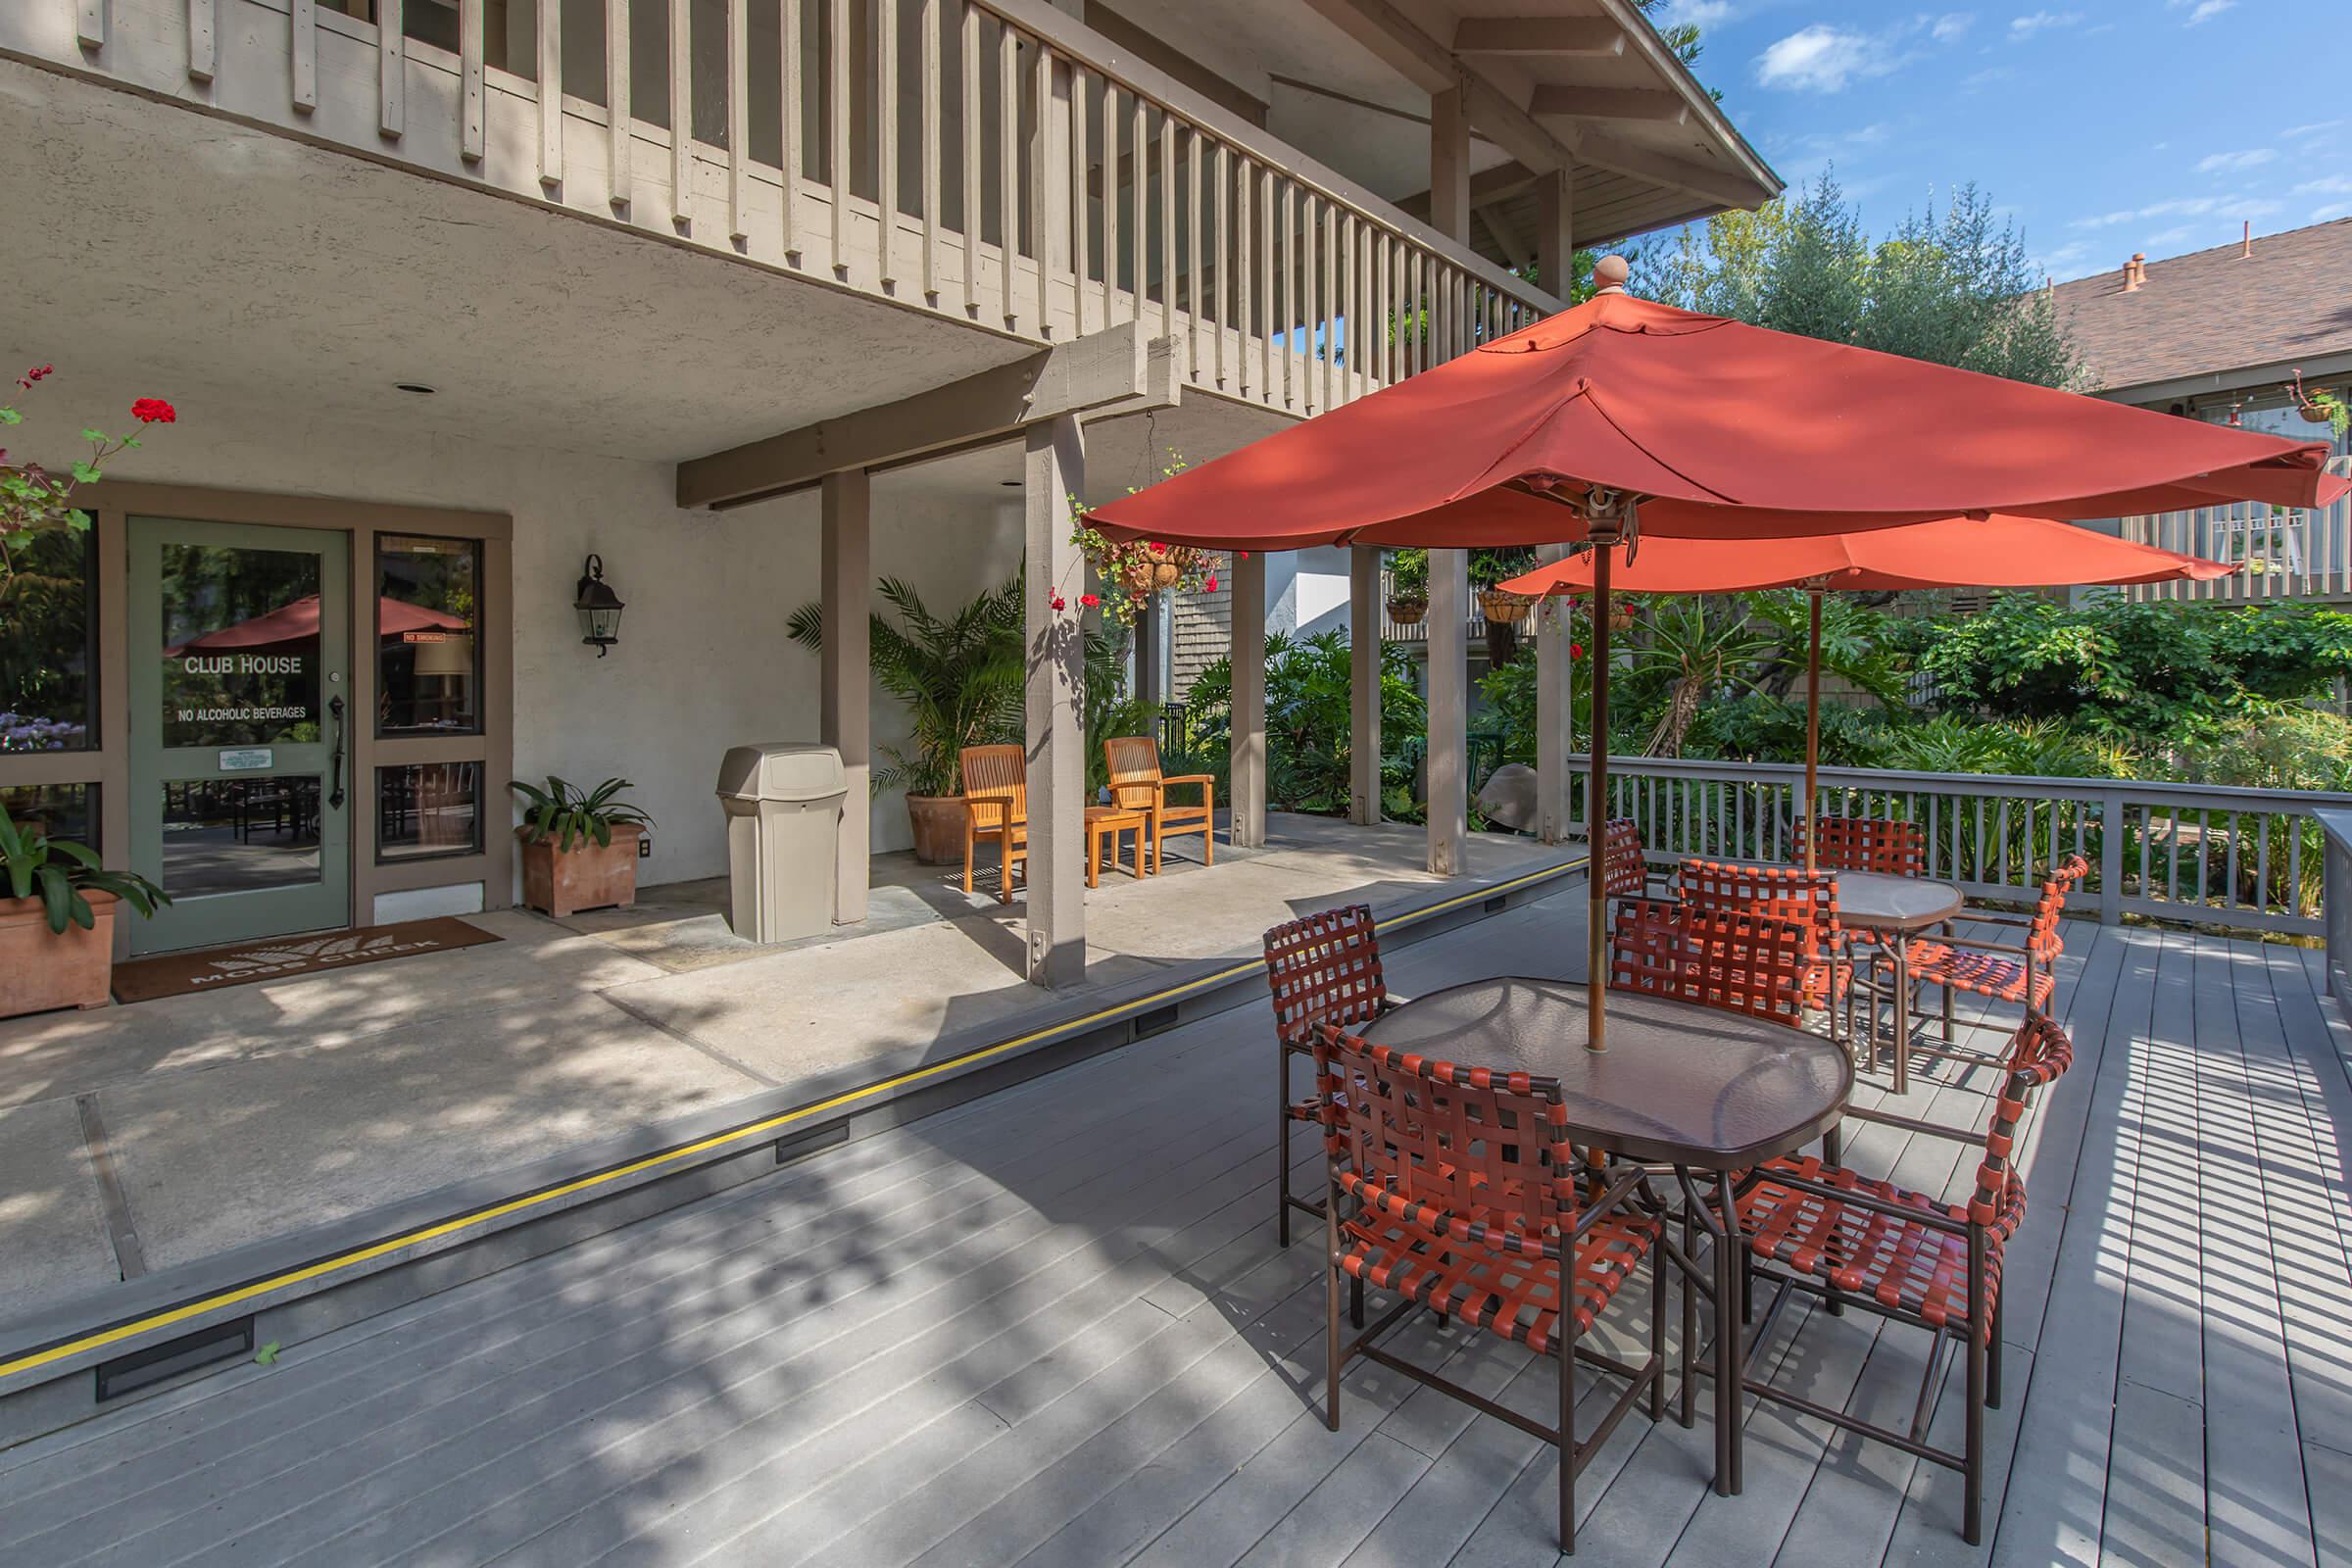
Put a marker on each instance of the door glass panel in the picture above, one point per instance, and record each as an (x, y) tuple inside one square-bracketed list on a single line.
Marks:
[(45, 641), (223, 835), (240, 646), (428, 809), (428, 635)]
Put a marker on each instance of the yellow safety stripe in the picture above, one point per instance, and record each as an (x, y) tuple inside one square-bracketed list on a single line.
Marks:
[(752, 1132)]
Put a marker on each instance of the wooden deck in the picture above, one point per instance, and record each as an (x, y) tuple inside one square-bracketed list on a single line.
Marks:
[(1052, 1327)]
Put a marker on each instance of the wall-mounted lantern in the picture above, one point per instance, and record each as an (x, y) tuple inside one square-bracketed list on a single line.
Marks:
[(599, 606)]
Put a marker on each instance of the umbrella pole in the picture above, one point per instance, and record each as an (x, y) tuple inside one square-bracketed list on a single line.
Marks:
[(1812, 727), (1597, 811)]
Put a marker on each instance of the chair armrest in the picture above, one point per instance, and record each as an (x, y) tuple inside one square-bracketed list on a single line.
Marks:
[(2014, 949), (1206, 783), (1934, 1219), (1000, 810)]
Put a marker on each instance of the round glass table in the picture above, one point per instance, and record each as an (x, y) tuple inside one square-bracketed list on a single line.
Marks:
[(1888, 910), (1706, 1092)]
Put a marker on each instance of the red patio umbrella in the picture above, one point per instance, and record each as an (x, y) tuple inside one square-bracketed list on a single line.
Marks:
[(1622, 416), (2001, 551), (296, 622)]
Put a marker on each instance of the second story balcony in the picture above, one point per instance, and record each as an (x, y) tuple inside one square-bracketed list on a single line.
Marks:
[(1003, 164)]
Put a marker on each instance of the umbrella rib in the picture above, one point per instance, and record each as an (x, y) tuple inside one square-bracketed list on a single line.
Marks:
[(1591, 393)]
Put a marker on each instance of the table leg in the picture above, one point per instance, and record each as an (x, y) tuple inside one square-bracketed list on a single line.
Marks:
[(1094, 857), (1729, 1359), (1903, 1013)]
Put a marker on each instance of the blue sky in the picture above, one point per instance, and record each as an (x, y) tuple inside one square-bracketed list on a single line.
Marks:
[(2101, 127)]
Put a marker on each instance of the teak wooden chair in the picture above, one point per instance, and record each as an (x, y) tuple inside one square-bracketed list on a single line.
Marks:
[(1138, 785), (995, 803)]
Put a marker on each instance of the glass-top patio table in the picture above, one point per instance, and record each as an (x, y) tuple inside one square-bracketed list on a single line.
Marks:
[(1706, 1092), (1888, 910)]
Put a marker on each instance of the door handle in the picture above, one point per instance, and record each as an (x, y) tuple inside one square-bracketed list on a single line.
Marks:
[(335, 797)]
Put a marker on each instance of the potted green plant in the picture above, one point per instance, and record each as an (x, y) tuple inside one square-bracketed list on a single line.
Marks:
[(1409, 586), (961, 677), (580, 848), (57, 924)]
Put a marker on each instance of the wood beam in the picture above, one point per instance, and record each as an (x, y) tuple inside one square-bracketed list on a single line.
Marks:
[(1449, 166), (1505, 241), (1585, 37), (1603, 151), (1556, 232), (1121, 367), (1609, 103), (1400, 41), (1487, 186)]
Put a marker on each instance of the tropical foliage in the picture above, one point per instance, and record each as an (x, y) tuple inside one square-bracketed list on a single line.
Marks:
[(61, 872), (573, 816), (1309, 733)]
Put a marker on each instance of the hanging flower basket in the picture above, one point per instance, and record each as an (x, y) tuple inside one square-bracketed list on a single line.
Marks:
[(1407, 610), (1503, 609), (1137, 568)]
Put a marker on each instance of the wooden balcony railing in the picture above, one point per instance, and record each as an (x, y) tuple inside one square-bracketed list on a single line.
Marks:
[(990, 160), (2289, 552), (2208, 854)]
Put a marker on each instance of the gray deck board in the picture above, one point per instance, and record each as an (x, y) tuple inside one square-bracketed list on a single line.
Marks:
[(1052, 1327)]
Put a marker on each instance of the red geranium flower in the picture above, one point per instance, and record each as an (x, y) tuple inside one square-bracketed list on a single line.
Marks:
[(1058, 603), (1159, 549), (1090, 600), (1213, 585), (154, 410), (1576, 650)]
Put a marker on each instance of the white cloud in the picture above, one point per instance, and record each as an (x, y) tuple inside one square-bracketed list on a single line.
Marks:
[(1698, 13), (2207, 10), (2171, 236), (1951, 26), (1820, 59), (2318, 127), (2024, 27), (2235, 163), (2332, 185), (2328, 211)]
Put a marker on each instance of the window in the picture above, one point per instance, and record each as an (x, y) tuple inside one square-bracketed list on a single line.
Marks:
[(240, 654), (428, 809), (48, 622), (428, 636), (61, 811)]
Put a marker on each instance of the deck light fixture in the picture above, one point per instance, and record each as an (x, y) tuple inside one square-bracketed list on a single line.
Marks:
[(599, 606)]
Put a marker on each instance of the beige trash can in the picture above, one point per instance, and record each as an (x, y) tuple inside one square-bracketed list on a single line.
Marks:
[(783, 804)]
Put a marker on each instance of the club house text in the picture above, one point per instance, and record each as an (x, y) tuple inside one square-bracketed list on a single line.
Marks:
[(243, 663)]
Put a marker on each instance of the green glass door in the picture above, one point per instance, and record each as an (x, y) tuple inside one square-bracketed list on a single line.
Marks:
[(240, 726)]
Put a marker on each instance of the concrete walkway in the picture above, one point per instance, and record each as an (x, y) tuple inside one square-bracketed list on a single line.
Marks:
[(139, 1138)]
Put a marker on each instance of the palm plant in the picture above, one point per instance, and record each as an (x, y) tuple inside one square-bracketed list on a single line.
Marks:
[(570, 815), (60, 871), (1699, 647), (960, 675)]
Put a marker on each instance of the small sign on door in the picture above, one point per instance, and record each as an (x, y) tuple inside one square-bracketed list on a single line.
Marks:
[(247, 759)]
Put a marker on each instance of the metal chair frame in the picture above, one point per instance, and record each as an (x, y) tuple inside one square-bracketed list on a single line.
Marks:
[(2039, 953), (1322, 968)]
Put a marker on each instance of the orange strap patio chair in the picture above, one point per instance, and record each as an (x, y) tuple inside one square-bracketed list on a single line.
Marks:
[(1815, 1227), (1786, 892), (1323, 969), (2025, 973), (1717, 956), (996, 805), (1887, 844), (1457, 1189), (1138, 784)]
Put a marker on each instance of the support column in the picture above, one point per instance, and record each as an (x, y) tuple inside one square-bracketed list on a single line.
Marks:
[(1150, 663), (1449, 712), (846, 722), (1553, 726), (1364, 620), (1450, 166), (1054, 471), (1248, 743), (1556, 232)]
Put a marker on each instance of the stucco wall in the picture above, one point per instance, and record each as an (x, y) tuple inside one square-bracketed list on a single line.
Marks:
[(704, 662)]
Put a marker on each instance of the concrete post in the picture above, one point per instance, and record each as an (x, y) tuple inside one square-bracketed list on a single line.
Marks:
[(1449, 712), (1364, 620), (845, 574), (1151, 666), (1054, 471), (1248, 744), (1553, 711)]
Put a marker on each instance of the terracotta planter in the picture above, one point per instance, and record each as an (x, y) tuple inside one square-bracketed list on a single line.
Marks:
[(938, 823), (1503, 609), (1407, 612), (588, 876), (40, 969)]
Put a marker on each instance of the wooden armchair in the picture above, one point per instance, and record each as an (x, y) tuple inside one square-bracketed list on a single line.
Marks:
[(995, 803), (1138, 785)]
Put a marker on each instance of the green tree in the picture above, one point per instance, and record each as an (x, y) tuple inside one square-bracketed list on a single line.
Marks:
[(1952, 287)]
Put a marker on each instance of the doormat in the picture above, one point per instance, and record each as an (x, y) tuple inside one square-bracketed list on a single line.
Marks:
[(179, 974)]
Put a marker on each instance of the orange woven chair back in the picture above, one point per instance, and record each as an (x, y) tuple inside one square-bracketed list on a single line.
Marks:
[(996, 773), (1782, 892), (1460, 1155), (1624, 868), (2038, 1056), (2043, 939), (1325, 969), (1886, 844), (1732, 958), (1135, 773)]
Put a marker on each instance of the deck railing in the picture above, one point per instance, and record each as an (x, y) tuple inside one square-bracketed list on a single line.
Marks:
[(2241, 858), (992, 161), (2289, 552)]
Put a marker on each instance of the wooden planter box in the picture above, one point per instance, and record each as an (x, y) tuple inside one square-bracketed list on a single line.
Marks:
[(590, 876), (40, 969)]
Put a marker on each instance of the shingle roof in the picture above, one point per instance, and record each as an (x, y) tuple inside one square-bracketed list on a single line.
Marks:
[(2217, 310)]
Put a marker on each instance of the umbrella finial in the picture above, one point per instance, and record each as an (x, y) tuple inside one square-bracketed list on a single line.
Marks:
[(1609, 275)]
